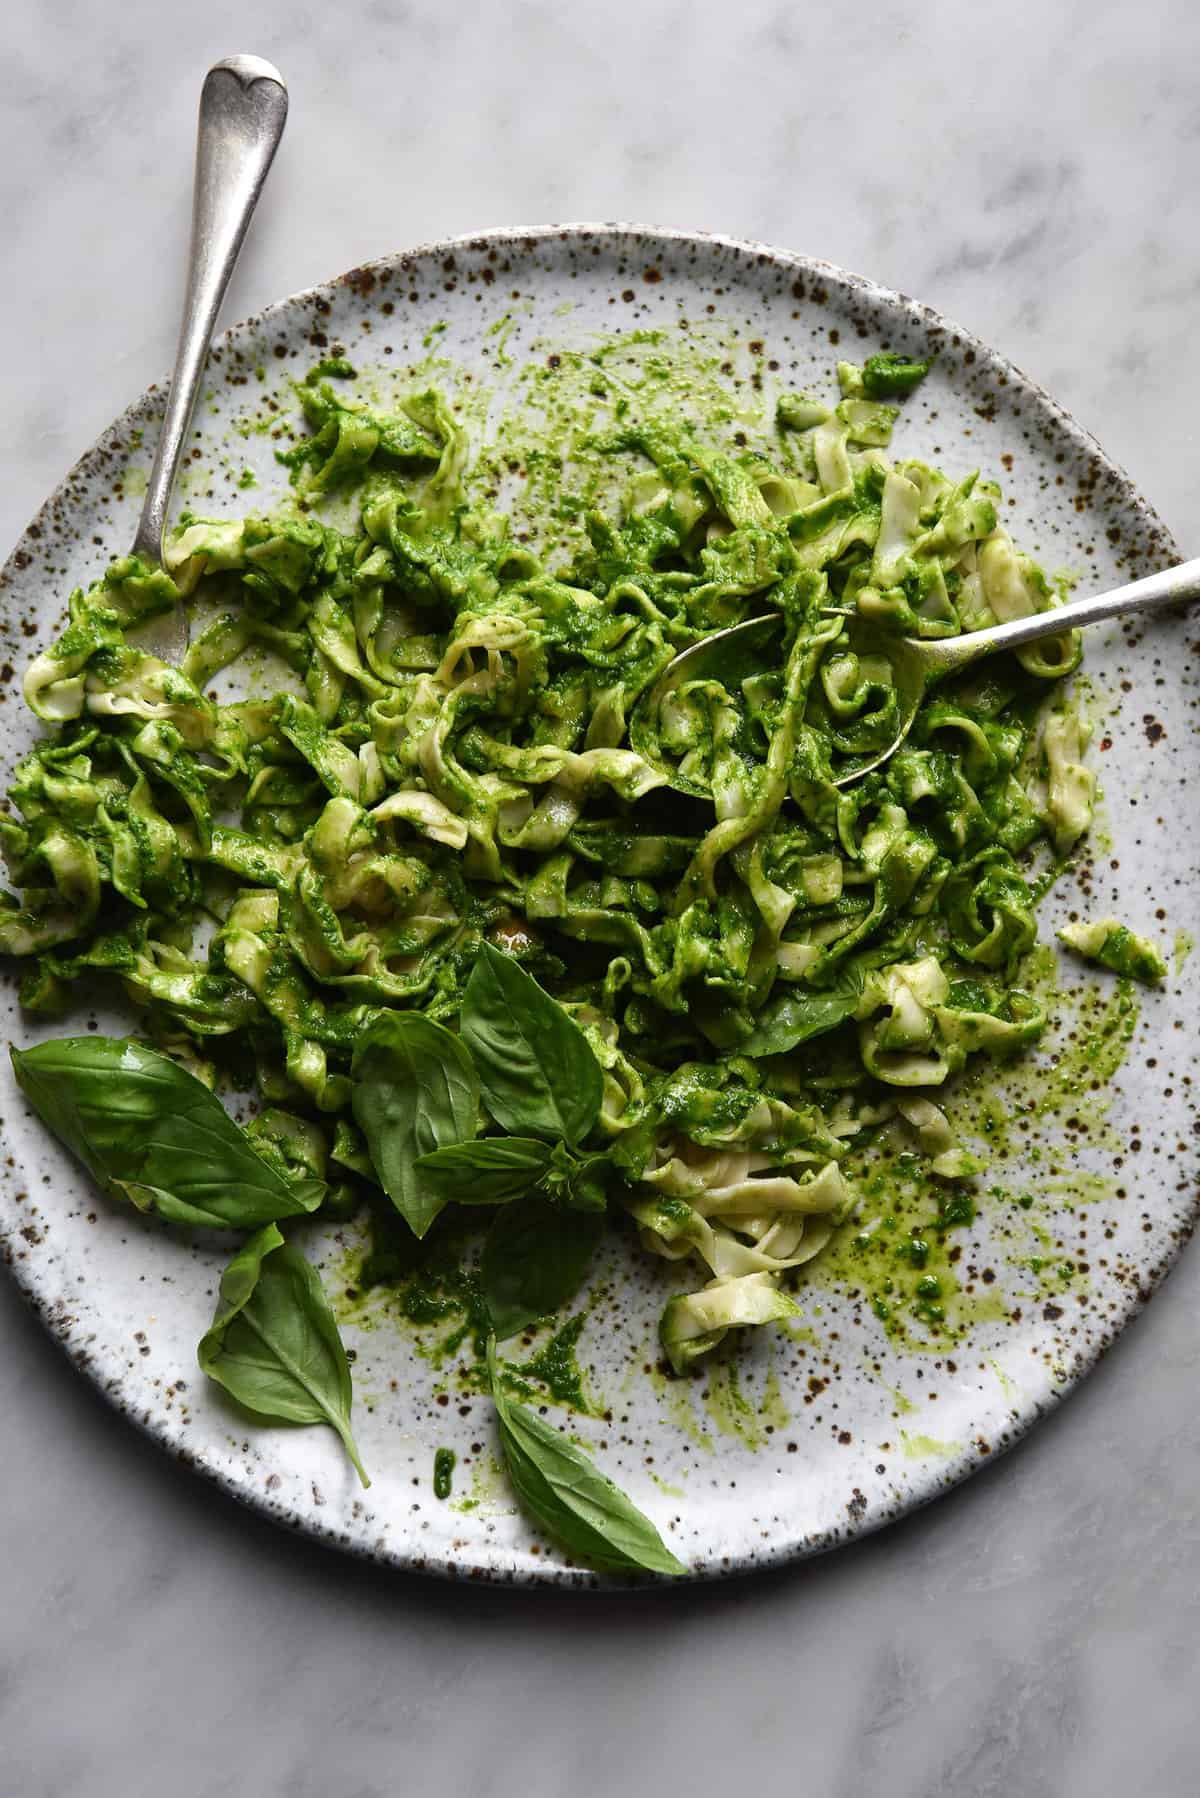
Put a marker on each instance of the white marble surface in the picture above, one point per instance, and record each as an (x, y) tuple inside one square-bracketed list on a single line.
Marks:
[(1034, 176)]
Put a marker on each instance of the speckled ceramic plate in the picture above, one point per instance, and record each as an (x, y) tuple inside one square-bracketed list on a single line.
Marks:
[(799, 1442)]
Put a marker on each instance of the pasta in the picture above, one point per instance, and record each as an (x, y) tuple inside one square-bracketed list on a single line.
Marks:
[(766, 965)]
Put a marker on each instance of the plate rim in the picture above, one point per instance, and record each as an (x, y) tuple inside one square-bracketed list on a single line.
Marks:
[(404, 1555)]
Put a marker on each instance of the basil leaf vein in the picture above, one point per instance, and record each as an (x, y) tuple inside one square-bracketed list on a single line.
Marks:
[(492, 1171), (273, 1343), (537, 1072), (415, 1091)]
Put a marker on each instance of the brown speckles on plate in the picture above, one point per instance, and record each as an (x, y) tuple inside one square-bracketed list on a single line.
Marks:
[(848, 1432)]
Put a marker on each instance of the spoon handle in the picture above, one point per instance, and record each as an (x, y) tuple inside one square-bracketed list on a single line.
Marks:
[(243, 108), (1169, 587)]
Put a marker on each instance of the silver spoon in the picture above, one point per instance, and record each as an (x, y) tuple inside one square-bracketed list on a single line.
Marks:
[(243, 109), (917, 663)]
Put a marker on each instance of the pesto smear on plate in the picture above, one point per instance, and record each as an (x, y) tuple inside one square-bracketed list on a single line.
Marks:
[(483, 927)]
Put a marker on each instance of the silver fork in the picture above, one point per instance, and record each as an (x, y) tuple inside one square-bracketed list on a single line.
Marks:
[(917, 662), (243, 109)]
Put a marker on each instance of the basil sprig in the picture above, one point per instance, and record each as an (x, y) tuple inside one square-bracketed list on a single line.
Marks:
[(536, 1068), (418, 1088), (273, 1342), (150, 1132), (569, 1495), (415, 1091), (578, 1181), (534, 1260), (493, 1170)]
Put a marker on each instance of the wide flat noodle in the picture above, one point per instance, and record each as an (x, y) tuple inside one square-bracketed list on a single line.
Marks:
[(453, 763)]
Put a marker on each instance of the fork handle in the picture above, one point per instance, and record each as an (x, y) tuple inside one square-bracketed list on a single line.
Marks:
[(243, 109), (1169, 587)]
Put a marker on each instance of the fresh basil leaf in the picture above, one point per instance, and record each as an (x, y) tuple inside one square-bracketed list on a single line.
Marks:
[(415, 1091), (802, 1013), (490, 1171), (536, 1069), (273, 1342), (564, 1490), (149, 1131), (534, 1259)]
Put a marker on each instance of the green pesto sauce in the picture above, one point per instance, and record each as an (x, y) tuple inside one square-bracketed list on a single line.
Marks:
[(731, 1410), (901, 1406), (433, 1287), (1103, 1024), (904, 1249), (443, 1472), (771, 1407), (921, 1448), (444, 1295), (676, 1399), (441, 1300), (556, 1368), (545, 471), (1007, 1386), (489, 1490), (738, 1413), (901, 1250)]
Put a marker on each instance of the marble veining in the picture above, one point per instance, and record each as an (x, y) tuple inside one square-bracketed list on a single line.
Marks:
[(1034, 177)]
